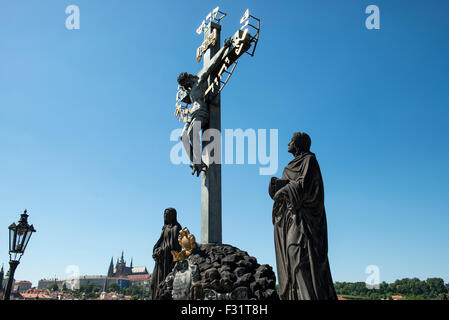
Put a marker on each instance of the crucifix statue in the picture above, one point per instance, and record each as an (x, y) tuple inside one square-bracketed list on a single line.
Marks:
[(202, 91)]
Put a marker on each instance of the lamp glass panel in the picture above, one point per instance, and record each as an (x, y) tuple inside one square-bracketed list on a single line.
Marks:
[(19, 240), (26, 239), (11, 239)]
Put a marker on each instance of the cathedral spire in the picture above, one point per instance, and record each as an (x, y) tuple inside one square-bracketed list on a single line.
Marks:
[(122, 259), (110, 274), (111, 268), (131, 263)]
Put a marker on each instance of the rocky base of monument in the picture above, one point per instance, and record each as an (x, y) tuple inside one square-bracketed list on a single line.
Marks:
[(228, 273)]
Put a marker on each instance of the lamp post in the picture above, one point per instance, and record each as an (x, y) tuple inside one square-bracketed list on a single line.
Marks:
[(19, 236)]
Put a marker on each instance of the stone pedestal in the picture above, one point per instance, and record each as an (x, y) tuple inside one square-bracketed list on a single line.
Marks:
[(226, 271)]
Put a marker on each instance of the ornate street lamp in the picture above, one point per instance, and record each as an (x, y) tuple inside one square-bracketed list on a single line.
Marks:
[(19, 236)]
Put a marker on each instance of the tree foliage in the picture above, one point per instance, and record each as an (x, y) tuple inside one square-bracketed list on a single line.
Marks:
[(431, 288)]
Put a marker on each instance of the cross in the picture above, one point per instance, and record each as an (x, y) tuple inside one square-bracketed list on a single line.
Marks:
[(203, 91)]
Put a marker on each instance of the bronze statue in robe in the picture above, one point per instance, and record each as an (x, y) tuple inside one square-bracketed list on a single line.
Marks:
[(162, 251), (300, 227)]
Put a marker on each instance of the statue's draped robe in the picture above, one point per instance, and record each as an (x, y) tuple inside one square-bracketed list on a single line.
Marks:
[(164, 262), (300, 233)]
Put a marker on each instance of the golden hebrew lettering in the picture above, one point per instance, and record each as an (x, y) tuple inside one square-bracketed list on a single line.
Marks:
[(245, 16), (201, 27), (241, 42), (211, 40)]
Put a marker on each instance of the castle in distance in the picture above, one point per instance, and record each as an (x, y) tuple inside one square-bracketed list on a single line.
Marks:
[(121, 270), (121, 274)]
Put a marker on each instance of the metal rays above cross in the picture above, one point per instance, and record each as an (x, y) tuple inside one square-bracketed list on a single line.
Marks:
[(242, 42), (202, 91)]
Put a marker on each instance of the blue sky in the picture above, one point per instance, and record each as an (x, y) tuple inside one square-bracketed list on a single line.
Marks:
[(86, 116)]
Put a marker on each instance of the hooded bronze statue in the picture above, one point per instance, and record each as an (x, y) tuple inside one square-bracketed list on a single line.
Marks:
[(162, 250), (300, 227)]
